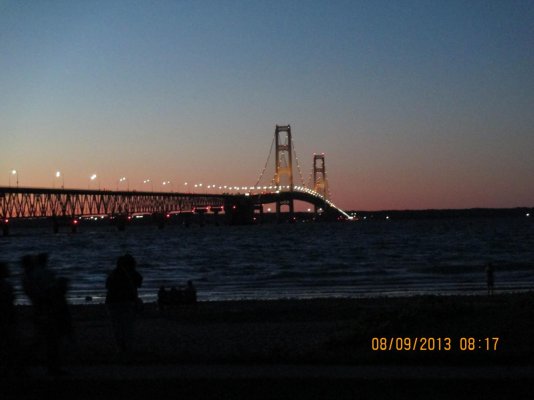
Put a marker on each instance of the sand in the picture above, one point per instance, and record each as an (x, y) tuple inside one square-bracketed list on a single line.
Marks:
[(304, 336)]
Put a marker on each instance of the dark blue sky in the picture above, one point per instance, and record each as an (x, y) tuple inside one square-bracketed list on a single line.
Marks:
[(417, 104)]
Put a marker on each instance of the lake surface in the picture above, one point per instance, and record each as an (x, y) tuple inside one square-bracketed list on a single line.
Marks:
[(303, 260)]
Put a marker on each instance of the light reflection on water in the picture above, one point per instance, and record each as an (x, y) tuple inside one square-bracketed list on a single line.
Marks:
[(295, 261)]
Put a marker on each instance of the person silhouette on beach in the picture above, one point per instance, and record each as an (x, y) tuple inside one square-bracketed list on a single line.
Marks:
[(490, 277), (190, 293), (121, 299), (52, 318)]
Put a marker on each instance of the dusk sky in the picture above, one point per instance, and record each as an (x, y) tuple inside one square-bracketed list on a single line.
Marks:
[(416, 104)]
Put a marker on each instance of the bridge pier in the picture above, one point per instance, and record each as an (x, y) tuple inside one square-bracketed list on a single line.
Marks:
[(186, 218), (239, 211), (57, 222), (121, 220), (5, 226), (74, 225), (201, 211), (216, 211), (259, 207), (291, 214), (159, 219)]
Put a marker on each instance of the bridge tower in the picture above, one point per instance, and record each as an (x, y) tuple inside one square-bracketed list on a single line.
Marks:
[(319, 176), (283, 165)]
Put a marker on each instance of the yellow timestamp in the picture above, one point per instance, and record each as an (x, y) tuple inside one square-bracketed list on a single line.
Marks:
[(434, 344)]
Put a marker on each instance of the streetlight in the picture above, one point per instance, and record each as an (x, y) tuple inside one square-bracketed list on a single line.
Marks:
[(92, 178), (14, 172), (185, 187), (123, 179), (151, 183), (59, 175), (166, 183)]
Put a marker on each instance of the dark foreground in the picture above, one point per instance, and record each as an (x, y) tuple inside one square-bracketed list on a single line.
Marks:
[(299, 349)]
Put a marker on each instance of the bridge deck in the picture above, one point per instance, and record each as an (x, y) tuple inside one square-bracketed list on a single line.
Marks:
[(46, 202)]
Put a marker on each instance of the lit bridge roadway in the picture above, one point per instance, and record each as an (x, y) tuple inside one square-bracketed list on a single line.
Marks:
[(24, 203)]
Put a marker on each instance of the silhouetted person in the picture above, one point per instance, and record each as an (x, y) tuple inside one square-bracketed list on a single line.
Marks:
[(121, 299), (8, 343), (162, 298), (490, 277), (190, 293), (52, 318)]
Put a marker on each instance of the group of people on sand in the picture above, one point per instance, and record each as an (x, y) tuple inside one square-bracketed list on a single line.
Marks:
[(51, 315), (167, 298)]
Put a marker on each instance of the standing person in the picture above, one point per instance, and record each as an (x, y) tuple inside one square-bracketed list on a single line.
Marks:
[(490, 278), (190, 293), (52, 318), (122, 299)]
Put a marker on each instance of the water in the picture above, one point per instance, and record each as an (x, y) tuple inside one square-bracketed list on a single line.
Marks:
[(291, 261)]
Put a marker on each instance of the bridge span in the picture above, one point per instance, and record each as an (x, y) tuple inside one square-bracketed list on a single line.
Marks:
[(24, 203)]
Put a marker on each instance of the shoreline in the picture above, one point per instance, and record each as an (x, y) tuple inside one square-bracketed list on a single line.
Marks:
[(82, 299)]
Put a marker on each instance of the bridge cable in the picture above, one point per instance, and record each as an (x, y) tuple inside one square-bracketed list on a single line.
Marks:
[(310, 177), (298, 164), (266, 163), (328, 193)]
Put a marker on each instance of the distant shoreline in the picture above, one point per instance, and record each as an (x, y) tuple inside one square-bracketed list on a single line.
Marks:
[(518, 212)]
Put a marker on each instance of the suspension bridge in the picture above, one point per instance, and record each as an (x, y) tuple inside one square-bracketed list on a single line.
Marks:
[(239, 205)]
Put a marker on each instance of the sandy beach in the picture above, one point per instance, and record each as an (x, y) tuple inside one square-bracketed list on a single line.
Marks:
[(315, 341)]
